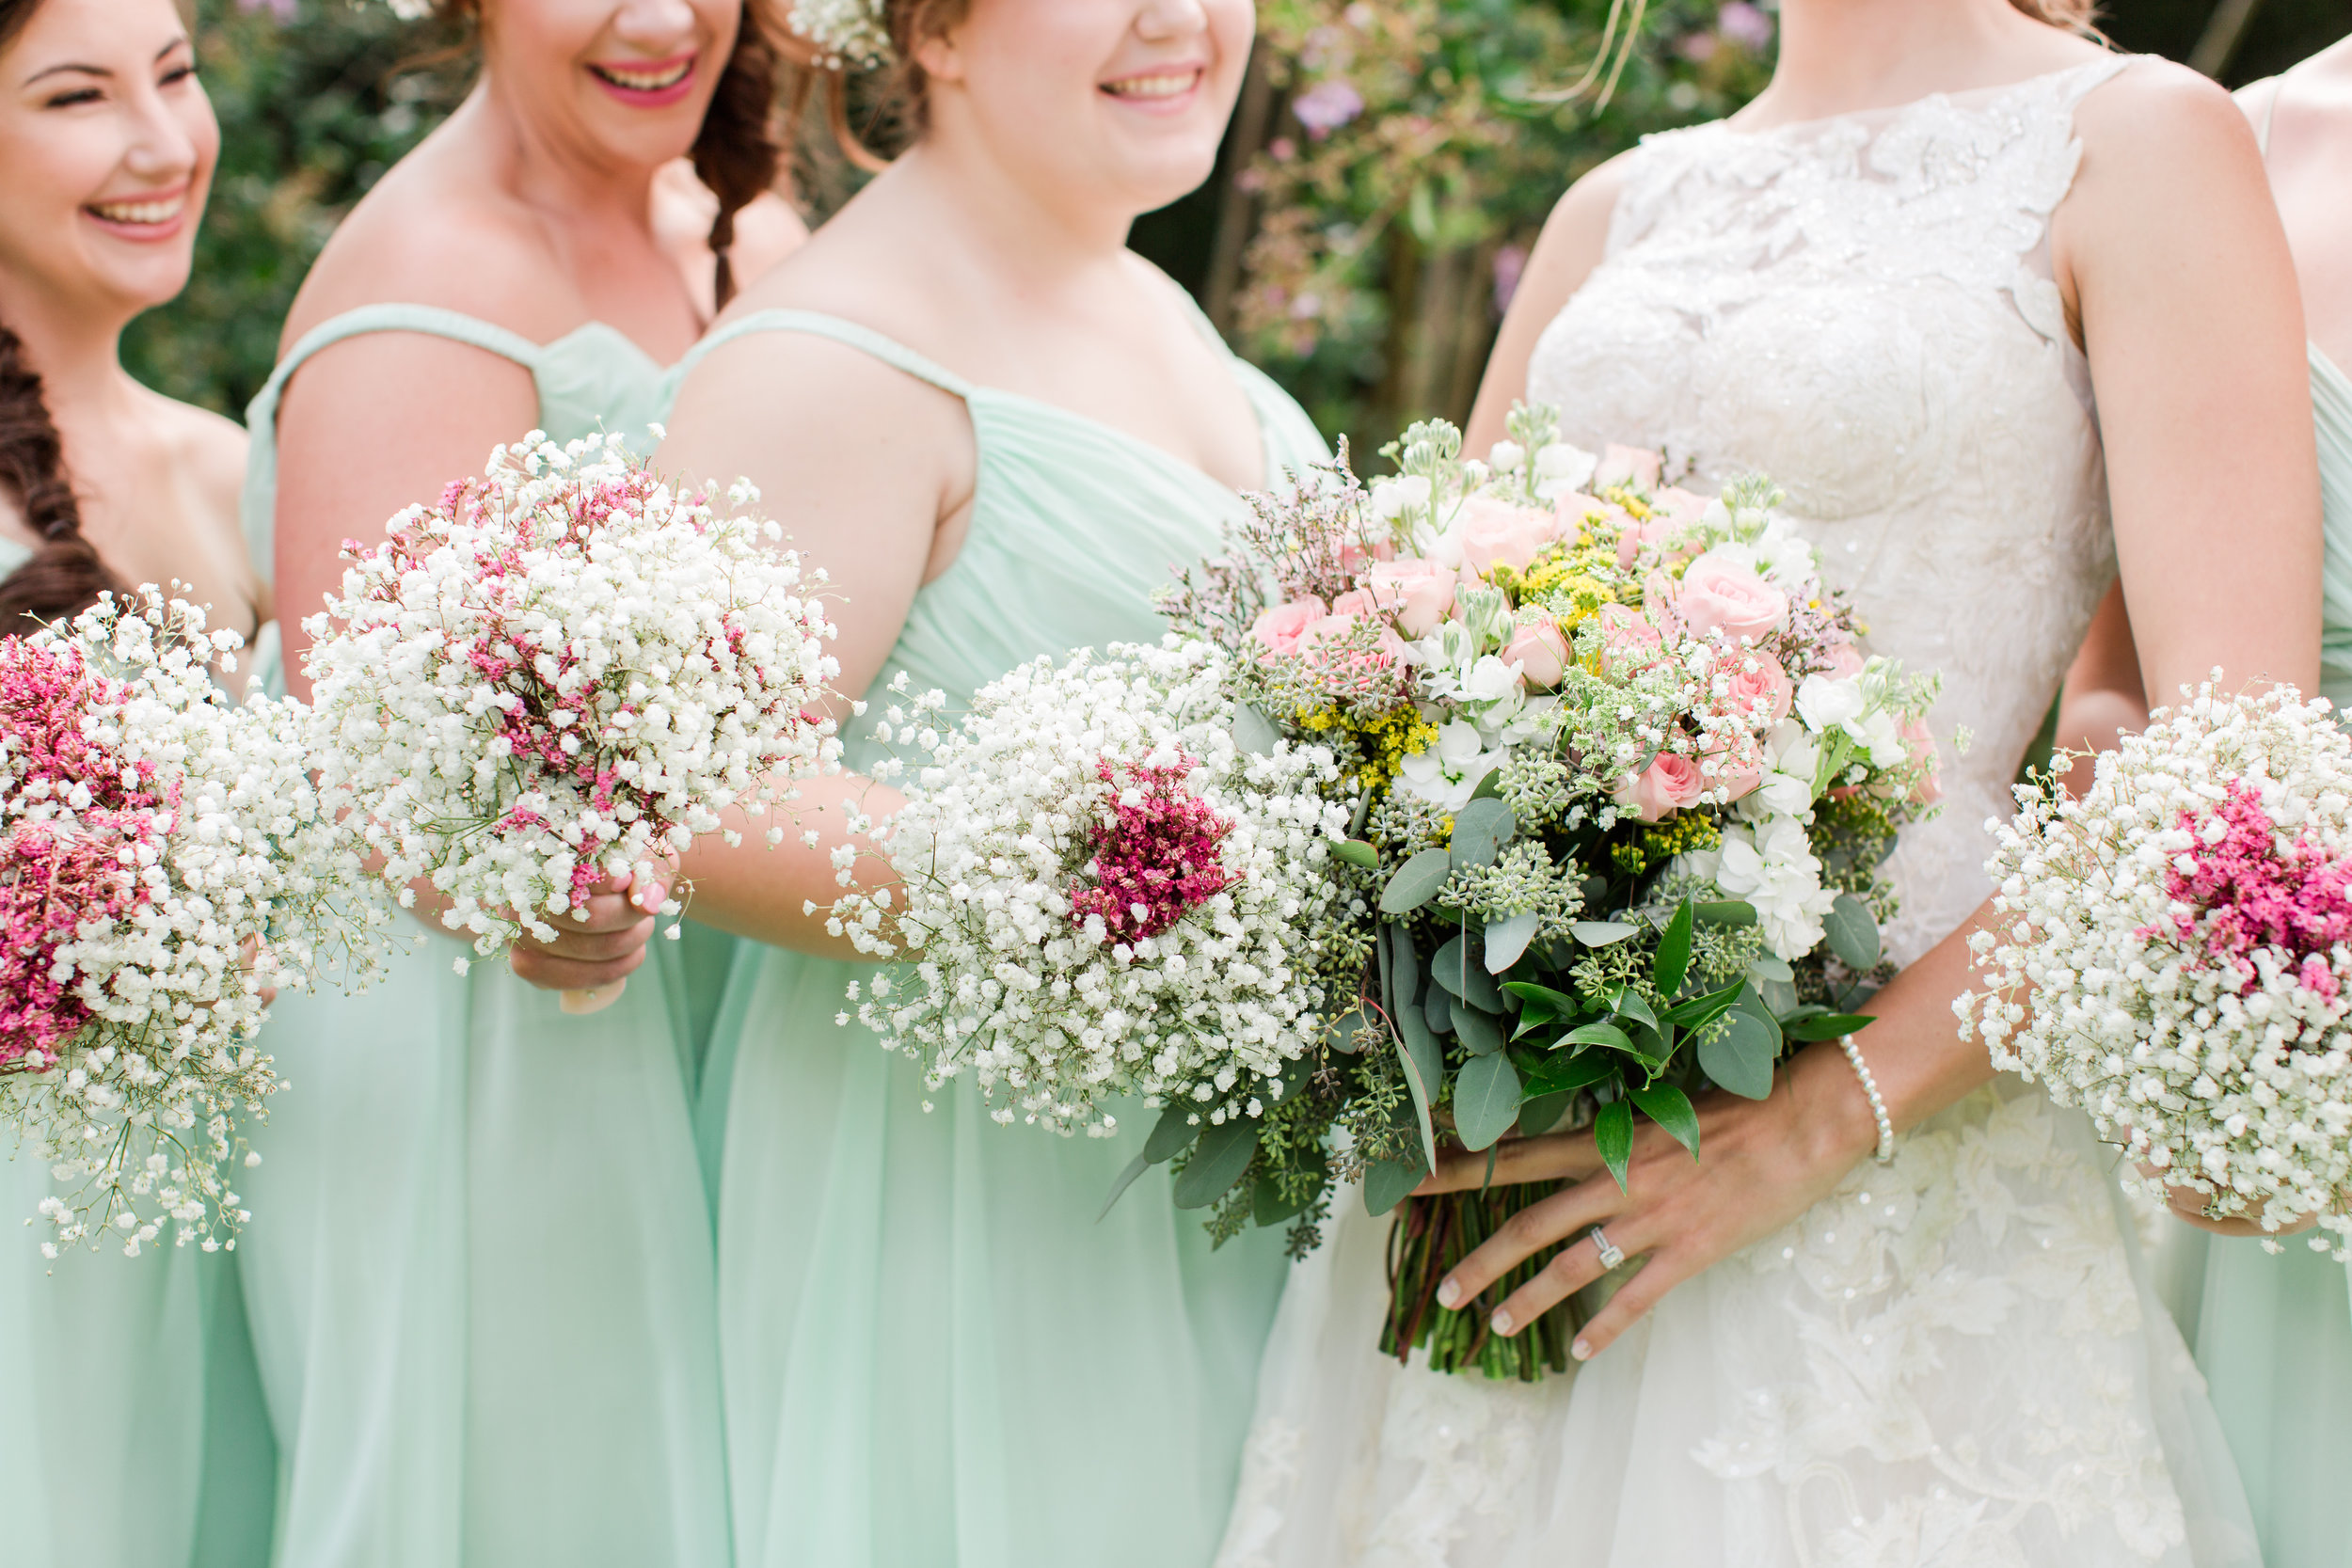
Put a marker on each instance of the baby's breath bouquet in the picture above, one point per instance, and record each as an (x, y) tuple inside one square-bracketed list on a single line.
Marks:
[(2173, 952), (165, 865), (562, 672)]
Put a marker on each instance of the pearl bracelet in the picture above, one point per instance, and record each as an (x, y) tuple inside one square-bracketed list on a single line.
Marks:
[(1878, 1105)]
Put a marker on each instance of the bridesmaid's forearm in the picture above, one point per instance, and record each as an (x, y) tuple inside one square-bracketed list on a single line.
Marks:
[(753, 890)]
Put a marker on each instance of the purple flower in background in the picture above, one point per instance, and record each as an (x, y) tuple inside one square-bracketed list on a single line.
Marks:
[(282, 10), (1327, 105), (1698, 48), (1742, 24), (1510, 262)]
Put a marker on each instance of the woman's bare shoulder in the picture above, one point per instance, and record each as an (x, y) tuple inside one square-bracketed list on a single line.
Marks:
[(207, 451)]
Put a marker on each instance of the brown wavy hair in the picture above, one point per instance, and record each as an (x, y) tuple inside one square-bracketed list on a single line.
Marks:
[(739, 149), (899, 103), (2076, 16), (64, 575)]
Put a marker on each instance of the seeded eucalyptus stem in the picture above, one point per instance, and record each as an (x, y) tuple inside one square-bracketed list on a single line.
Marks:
[(1431, 1235)]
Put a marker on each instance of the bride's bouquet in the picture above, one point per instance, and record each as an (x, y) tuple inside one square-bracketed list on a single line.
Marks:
[(1614, 780), (165, 865), (2173, 952), (565, 671)]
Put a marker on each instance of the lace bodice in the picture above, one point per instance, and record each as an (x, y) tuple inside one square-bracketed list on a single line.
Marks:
[(1861, 307)]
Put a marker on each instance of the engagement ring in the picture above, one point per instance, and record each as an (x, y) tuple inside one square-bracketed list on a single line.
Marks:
[(1610, 1254)]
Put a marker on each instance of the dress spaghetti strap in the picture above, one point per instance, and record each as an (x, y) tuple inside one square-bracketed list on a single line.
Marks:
[(816, 324)]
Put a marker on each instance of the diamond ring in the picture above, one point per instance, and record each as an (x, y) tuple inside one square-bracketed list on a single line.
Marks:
[(1610, 1254)]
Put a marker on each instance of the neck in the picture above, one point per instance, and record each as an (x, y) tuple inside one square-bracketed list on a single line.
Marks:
[(1037, 234), (75, 346), (1838, 56), (551, 172)]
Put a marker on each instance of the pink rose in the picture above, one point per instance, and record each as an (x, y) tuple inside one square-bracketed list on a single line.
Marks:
[(1738, 769), (1416, 592), (1629, 642), (1540, 652), (1720, 596), (1634, 465), (1921, 740), (1280, 629), (1672, 784), (1356, 601), (1496, 534), (1845, 660), (1760, 686), (1678, 507)]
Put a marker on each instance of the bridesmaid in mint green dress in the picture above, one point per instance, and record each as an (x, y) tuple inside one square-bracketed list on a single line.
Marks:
[(132, 1433), (480, 1275), (1000, 433)]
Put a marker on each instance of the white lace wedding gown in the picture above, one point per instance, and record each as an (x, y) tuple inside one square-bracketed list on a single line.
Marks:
[(1952, 1361)]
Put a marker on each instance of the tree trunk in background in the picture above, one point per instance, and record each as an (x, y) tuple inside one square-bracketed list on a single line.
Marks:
[(1441, 329), (1254, 117)]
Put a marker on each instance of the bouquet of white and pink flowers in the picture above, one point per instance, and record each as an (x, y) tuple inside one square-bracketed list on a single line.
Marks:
[(561, 674), (2174, 954), (165, 865), (1600, 782)]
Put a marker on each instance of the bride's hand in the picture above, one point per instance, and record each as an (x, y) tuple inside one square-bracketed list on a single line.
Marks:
[(2188, 1206), (1763, 1163), (598, 947)]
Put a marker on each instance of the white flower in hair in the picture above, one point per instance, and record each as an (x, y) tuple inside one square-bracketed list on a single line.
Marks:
[(847, 32)]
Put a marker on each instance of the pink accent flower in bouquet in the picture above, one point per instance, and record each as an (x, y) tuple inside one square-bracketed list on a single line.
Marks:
[(2243, 892), (1669, 785), (1417, 591), (1281, 629), (1497, 533), (1637, 466), (1629, 644), (1540, 652), (1724, 597), (1156, 860), (1921, 740), (1760, 688)]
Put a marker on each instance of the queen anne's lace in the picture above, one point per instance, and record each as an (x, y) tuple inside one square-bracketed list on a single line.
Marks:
[(845, 32), (1061, 787), (560, 674), (2175, 947), (164, 864)]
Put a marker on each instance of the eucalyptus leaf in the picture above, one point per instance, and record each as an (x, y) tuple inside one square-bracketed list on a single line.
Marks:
[(1601, 933), (1416, 883), (1404, 960), (1269, 1208), (1612, 1136), (1422, 1062), (1339, 1034), (1507, 939), (1674, 951), (1853, 933), (1752, 1002), (1486, 1099), (1489, 787), (1224, 1153), (1388, 1182), (1355, 851), (1460, 971), (1119, 1183), (1481, 1036), (1171, 1134), (1738, 1055), (1254, 732), (1726, 911), (1438, 1009), (1670, 1108), (1767, 967), (1481, 829)]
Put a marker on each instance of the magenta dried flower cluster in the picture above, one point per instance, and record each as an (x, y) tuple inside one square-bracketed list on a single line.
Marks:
[(1156, 858)]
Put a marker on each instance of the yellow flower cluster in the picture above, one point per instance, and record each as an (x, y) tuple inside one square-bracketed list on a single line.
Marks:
[(1385, 741), (1684, 834), (1570, 581)]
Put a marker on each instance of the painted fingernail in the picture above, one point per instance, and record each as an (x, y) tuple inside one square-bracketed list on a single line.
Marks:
[(1582, 1350), (1502, 1322), (1449, 1294)]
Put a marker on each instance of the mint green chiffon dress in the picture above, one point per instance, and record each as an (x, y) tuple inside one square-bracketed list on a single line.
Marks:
[(479, 1273), (132, 1432), (936, 1356)]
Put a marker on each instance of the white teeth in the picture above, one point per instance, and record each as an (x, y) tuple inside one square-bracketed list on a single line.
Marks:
[(644, 81), (1154, 86), (139, 212)]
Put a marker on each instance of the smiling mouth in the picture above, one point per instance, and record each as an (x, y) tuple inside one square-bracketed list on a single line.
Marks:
[(1171, 84), (658, 78), (133, 214)]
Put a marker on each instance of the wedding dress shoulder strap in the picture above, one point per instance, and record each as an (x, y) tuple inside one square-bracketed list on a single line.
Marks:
[(816, 324)]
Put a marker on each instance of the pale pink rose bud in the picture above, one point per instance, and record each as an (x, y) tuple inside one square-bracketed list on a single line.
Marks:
[(1540, 652), (1496, 534), (1629, 642), (1356, 601), (1845, 660), (1921, 741), (1635, 465), (1670, 785), (1722, 596), (1757, 681), (1280, 629), (1416, 592)]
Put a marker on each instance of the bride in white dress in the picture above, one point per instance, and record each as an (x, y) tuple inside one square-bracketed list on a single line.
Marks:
[(1877, 285)]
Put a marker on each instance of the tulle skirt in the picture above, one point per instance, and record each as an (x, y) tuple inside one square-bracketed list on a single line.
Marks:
[(1954, 1360)]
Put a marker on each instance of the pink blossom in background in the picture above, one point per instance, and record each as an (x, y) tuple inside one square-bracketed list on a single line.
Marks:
[(282, 10), (1697, 48), (1744, 25), (1327, 105), (1158, 858), (1510, 263)]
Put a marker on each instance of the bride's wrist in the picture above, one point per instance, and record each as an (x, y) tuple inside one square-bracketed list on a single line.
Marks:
[(1841, 1122)]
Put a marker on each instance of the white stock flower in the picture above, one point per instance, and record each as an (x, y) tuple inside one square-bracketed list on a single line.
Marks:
[(1562, 468), (1771, 867)]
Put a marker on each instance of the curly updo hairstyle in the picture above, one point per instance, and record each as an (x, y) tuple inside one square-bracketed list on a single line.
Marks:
[(737, 151), (64, 575)]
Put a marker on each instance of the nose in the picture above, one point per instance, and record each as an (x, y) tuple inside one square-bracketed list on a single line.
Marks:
[(160, 148), (1170, 20), (657, 27)]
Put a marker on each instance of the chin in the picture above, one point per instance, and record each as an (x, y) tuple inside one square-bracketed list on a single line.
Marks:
[(649, 140)]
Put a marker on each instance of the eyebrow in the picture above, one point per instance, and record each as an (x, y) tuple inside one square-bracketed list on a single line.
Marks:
[(99, 69)]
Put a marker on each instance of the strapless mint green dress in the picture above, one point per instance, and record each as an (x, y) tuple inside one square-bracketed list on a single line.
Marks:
[(2274, 1332), (132, 1432), (936, 1356), (479, 1273)]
